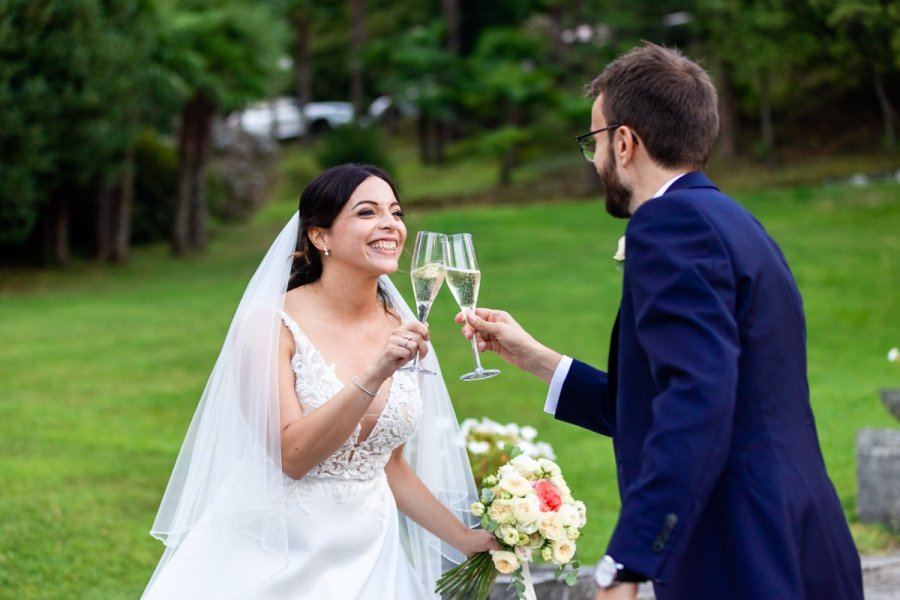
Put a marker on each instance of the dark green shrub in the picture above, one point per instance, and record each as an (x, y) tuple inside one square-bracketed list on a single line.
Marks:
[(353, 144)]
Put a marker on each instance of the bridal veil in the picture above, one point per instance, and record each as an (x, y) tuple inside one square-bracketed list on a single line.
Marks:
[(228, 473)]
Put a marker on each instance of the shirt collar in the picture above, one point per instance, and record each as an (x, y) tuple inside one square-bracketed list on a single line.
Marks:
[(665, 187)]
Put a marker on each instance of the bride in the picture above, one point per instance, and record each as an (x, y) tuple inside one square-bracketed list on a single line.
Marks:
[(313, 468)]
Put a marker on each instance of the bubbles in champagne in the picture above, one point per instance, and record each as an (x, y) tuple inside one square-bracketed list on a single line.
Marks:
[(463, 284), (427, 281)]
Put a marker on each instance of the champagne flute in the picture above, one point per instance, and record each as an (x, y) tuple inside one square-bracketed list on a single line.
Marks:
[(427, 274), (463, 279)]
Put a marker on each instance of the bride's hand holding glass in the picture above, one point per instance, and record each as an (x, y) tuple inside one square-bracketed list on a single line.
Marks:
[(427, 273)]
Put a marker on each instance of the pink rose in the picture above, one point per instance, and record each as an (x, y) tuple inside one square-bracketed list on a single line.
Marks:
[(548, 495)]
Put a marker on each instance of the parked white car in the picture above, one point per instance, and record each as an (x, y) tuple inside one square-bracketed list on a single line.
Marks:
[(280, 118)]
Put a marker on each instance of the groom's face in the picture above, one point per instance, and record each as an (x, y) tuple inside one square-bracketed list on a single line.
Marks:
[(618, 194)]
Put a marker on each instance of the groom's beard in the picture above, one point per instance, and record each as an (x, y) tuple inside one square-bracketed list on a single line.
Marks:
[(618, 195)]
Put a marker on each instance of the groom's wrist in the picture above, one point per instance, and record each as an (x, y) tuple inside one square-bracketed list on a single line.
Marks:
[(543, 363)]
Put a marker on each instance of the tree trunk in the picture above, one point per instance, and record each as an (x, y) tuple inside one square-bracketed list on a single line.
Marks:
[(451, 19), (55, 231), (727, 147), (886, 113), (424, 123), (357, 44), (189, 227), (104, 219), (507, 162), (121, 217)]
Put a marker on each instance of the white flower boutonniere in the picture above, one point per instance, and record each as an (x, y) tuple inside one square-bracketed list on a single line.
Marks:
[(619, 256)]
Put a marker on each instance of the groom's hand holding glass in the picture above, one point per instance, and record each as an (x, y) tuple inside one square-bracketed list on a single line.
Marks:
[(497, 331)]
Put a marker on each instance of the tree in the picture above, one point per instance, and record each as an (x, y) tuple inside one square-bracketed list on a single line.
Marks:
[(222, 55), (70, 90), (508, 85), (868, 36)]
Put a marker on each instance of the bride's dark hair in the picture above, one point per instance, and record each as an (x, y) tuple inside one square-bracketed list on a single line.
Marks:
[(320, 203)]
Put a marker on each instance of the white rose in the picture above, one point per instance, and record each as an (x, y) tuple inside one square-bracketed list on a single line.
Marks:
[(512, 430), (477, 448), (550, 467), (505, 562), (550, 527), (507, 469), (563, 488), (501, 511), (537, 540), (563, 551), (477, 509), (620, 250), (582, 512), (466, 426), (528, 433), (526, 510), (568, 516), (572, 533), (523, 553), (526, 465), (529, 528), (515, 484)]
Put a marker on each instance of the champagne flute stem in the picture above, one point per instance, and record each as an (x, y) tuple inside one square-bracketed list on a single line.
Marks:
[(475, 354)]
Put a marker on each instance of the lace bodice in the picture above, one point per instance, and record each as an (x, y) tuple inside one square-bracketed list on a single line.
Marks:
[(316, 382)]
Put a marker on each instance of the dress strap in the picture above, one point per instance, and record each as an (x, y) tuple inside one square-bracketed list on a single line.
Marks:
[(299, 337)]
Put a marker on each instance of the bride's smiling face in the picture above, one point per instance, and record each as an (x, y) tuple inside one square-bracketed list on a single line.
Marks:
[(369, 232)]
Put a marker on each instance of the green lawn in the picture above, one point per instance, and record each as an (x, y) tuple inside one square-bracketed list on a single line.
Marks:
[(101, 367)]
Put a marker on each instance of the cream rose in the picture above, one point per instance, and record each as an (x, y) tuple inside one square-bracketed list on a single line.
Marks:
[(515, 484), (550, 526), (501, 511), (527, 509), (563, 551), (572, 533), (505, 562)]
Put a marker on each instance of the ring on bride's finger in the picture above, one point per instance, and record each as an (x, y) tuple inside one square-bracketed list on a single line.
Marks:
[(406, 343)]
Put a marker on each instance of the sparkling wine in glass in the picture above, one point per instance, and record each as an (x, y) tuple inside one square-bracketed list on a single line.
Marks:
[(463, 279), (427, 274)]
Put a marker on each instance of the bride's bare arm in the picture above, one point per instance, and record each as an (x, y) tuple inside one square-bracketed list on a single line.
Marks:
[(417, 502), (307, 440)]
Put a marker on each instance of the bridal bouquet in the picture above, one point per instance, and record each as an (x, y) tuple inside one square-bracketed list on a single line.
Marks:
[(530, 509)]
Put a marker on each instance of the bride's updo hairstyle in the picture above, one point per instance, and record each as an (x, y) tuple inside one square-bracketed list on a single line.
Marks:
[(320, 203)]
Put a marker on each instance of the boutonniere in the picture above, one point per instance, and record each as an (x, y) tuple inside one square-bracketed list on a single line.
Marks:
[(619, 256)]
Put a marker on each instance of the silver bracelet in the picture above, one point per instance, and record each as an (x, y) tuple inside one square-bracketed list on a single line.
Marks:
[(357, 384)]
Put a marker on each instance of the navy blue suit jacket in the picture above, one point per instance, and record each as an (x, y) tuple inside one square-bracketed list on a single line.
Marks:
[(723, 485)]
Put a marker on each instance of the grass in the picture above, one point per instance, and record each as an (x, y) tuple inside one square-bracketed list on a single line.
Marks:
[(101, 368)]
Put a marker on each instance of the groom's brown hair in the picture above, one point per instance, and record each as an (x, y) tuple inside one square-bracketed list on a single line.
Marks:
[(667, 99)]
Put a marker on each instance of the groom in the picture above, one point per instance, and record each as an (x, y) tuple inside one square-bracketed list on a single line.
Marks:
[(723, 485)]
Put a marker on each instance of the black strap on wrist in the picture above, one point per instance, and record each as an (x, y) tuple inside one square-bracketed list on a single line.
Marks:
[(626, 575)]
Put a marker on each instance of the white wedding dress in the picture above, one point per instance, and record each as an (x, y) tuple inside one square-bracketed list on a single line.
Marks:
[(342, 523)]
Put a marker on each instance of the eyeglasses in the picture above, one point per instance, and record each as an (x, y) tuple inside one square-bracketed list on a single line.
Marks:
[(588, 144)]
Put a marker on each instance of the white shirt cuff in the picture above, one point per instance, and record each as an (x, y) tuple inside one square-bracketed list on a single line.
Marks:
[(559, 376)]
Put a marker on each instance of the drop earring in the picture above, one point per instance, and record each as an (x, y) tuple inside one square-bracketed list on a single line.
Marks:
[(327, 253)]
